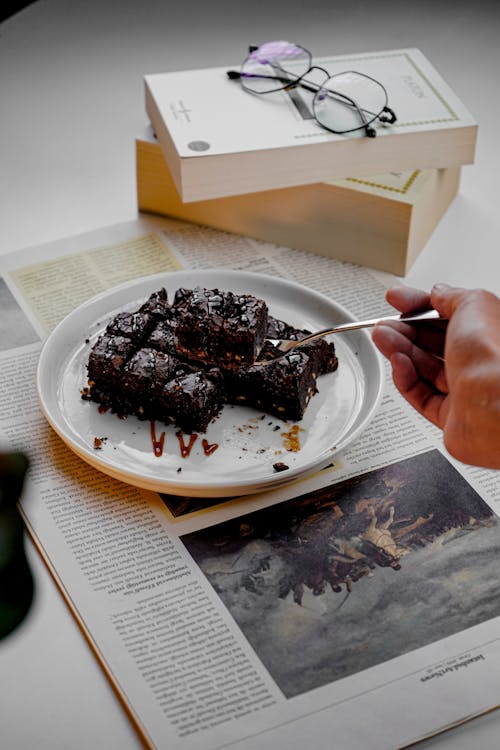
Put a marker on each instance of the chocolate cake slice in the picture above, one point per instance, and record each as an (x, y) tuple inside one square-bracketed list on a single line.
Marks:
[(137, 325), (321, 350), (143, 379), (216, 327), (191, 401), (105, 365), (157, 305), (107, 359), (162, 337), (282, 388), (134, 326)]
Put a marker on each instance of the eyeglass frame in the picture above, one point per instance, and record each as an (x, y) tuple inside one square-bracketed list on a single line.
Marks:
[(386, 116)]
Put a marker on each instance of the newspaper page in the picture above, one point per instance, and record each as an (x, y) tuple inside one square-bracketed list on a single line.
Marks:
[(360, 603)]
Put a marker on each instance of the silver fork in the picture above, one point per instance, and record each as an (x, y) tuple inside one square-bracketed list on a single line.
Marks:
[(284, 346)]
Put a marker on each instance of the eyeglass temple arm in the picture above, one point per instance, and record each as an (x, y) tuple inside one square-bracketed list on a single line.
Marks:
[(313, 87), (236, 75)]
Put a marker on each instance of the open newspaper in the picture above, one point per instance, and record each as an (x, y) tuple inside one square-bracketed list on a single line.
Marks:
[(358, 607)]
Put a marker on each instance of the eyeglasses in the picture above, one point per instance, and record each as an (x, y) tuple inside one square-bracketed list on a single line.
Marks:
[(342, 103)]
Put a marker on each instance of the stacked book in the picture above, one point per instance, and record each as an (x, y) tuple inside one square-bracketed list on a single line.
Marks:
[(262, 166)]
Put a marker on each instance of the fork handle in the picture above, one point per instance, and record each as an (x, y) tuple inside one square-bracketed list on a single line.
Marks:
[(356, 324), (403, 317)]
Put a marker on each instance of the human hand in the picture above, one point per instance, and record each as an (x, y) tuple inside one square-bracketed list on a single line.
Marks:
[(450, 372)]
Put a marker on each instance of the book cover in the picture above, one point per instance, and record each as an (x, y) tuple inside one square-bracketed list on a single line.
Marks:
[(219, 140), (382, 221)]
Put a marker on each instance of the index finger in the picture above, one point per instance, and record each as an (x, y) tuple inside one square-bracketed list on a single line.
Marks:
[(408, 299)]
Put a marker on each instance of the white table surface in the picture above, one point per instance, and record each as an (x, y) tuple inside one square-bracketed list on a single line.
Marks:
[(71, 103)]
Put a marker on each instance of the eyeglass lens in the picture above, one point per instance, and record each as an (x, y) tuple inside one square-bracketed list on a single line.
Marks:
[(273, 66), (349, 100)]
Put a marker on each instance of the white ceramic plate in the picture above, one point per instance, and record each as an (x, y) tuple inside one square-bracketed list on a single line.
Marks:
[(248, 445)]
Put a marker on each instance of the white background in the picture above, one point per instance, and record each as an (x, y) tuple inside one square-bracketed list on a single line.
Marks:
[(71, 103)]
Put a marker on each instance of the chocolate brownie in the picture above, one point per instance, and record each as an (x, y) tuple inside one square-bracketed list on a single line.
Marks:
[(157, 305), (191, 401), (134, 326), (143, 379), (107, 359), (217, 327), (181, 362), (282, 388), (162, 337), (321, 350)]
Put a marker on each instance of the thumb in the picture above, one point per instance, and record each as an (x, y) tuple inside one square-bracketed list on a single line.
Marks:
[(446, 299)]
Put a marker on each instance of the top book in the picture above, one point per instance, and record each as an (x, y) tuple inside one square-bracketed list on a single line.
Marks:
[(219, 140)]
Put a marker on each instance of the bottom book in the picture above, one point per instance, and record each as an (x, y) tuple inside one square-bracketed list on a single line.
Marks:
[(381, 222)]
